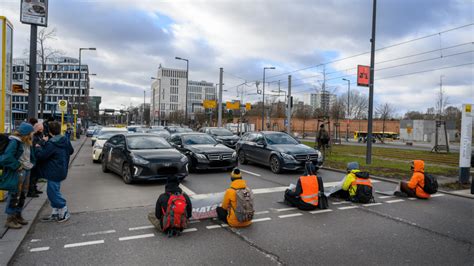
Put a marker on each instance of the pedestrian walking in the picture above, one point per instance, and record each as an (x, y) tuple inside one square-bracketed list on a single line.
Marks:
[(53, 162), (17, 161)]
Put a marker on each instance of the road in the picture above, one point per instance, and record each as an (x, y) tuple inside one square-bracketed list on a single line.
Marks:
[(108, 226)]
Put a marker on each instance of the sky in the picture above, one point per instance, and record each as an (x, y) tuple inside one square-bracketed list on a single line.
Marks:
[(417, 42)]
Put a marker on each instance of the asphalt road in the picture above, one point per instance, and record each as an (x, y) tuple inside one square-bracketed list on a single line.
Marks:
[(109, 227)]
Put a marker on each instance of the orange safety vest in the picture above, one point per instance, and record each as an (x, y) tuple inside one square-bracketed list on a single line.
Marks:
[(362, 181), (310, 187)]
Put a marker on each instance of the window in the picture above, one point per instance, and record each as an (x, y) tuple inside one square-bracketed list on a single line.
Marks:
[(174, 90), (174, 98)]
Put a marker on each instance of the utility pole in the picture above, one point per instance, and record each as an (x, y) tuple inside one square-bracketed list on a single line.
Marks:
[(263, 97), (368, 158), (440, 97), (219, 105), (33, 89), (348, 112), (143, 110), (289, 106)]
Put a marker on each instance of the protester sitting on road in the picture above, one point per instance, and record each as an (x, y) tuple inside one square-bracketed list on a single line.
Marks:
[(38, 139), (414, 187), (17, 161), (309, 188), (237, 206), (172, 202), (347, 188), (53, 162)]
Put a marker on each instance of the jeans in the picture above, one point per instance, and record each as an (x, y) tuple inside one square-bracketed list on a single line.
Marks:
[(54, 195), (16, 200)]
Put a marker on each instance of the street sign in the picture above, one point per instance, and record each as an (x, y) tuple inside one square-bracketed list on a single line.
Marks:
[(62, 105), (75, 111), (248, 106), (363, 75), (233, 105), (209, 104), (468, 110), (34, 12)]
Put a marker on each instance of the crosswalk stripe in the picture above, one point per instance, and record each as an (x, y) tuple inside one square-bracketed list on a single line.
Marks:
[(394, 201), (437, 195), (135, 237), (213, 226), (140, 227), (39, 249), (372, 204), (341, 202), (386, 197), (261, 220), (190, 230), (285, 209), (290, 215), (320, 211), (262, 212), (348, 207), (80, 244)]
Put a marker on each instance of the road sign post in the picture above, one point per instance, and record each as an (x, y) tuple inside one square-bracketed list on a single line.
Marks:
[(75, 112), (465, 148), (62, 105)]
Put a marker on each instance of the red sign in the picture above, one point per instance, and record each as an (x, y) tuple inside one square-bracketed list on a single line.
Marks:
[(363, 74)]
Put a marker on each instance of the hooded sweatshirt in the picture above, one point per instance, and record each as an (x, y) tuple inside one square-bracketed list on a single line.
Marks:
[(53, 158), (230, 203), (347, 183), (172, 186), (417, 181)]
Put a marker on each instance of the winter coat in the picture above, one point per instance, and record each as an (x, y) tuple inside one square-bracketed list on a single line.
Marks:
[(162, 202), (417, 181), (10, 158), (347, 184), (299, 190), (53, 158), (37, 139), (230, 203)]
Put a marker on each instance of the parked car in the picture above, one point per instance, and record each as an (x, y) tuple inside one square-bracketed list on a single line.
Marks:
[(159, 132), (277, 150), (99, 143), (90, 131), (106, 129), (143, 157), (222, 135), (177, 129), (204, 152)]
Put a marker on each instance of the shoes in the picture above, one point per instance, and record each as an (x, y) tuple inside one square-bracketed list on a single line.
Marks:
[(19, 219), (33, 194), (12, 223), (38, 191), (53, 217), (63, 215), (400, 194)]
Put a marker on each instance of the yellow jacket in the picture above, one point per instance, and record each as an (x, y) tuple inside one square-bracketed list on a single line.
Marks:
[(347, 185), (230, 203)]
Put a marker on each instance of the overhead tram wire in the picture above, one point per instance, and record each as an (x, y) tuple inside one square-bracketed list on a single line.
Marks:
[(379, 49)]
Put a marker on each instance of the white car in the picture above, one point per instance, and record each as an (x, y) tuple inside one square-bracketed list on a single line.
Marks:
[(103, 136)]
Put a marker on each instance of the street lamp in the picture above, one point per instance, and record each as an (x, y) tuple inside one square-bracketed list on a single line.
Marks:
[(187, 81), (348, 110), (159, 101), (263, 96), (80, 53)]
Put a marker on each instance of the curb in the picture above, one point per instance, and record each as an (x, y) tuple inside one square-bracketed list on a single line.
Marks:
[(396, 182), (31, 212)]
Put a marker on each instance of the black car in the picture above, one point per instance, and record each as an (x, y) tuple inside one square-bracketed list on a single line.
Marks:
[(142, 157), (278, 150), (161, 132), (178, 129), (203, 151), (222, 135)]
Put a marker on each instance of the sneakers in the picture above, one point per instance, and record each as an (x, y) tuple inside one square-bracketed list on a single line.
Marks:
[(63, 215), (12, 223), (53, 217)]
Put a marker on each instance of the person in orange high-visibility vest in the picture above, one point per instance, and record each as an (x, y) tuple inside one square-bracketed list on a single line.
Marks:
[(308, 189)]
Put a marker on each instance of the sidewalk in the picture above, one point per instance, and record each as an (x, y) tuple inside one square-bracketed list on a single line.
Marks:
[(10, 240)]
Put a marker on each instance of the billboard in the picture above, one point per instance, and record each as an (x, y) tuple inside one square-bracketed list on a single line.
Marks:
[(363, 75), (34, 12)]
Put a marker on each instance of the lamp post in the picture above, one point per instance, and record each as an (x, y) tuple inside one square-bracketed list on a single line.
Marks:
[(263, 96), (187, 81), (348, 114), (80, 53), (159, 100)]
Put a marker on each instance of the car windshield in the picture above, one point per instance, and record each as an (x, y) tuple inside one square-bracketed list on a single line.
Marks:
[(198, 139), (182, 130), (221, 132), (280, 138), (147, 143), (107, 134)]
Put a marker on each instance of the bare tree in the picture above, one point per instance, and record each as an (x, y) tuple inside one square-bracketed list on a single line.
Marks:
[(441, 99), (358, 105), (338, 109), (303, 111), (46, 54), (176, 117), (385, 111)]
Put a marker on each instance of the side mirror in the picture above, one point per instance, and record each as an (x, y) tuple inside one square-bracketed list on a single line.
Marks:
[(261, 143)]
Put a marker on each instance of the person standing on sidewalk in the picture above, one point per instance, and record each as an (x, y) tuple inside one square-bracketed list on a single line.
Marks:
[(18, 160), (53, 162), (38, 139)]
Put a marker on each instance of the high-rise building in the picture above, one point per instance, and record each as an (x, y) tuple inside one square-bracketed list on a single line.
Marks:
[(321, 100), (60, 79), (171, 97)]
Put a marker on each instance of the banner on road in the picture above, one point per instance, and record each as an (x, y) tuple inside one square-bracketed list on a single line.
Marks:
[(204, 206)]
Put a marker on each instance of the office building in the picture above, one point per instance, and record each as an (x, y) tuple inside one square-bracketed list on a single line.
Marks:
[(321, 100)]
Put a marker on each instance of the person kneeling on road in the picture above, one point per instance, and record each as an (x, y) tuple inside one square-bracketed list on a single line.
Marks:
[(173, 209), (417, 186), (237, 207), (308, 191)]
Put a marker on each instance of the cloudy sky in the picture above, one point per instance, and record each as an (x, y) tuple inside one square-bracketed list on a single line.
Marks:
[(298, 37)]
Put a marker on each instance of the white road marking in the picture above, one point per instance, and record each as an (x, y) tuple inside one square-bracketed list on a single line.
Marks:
[(194, 221), (261, 220), (190, 230), (248, 172), (213, 226), (262, 212), (412, 198), (100, 233), (394, 201), (437, 195), (341, 202), (224, 225), (372, 204), (285, 209), (348, 207), (135, 237), (268, 190), (187, 190), (386, 197), (35, 240), (81, 244), (141, 227), (320, 211), (39, 249), (290, 215)]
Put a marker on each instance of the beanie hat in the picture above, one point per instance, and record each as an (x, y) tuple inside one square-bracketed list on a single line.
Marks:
[(25, 129), (352, 166), (235, 174)]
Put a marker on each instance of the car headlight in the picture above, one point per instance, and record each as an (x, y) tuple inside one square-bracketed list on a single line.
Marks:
[(200, 156), (184, 159), (287, 156), (97, 146), (234, 154), (139, 160)]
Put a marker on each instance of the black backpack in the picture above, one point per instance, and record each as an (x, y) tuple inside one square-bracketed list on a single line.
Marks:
[(364, 193), (4, 140), (431, 184)]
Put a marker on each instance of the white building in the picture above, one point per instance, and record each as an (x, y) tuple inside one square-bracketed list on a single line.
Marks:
[(172, 95), (321, 100)]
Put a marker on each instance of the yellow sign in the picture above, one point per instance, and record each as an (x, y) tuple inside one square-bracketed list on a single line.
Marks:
[(248, 106), (233, 105), (62, 104), (209, 104), (75, 111), (468, 108)]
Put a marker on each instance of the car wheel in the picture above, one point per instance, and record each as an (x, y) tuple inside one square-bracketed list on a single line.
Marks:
[(275, 164), (104, 165), (126, 174), (242, 159), (191, 165)]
